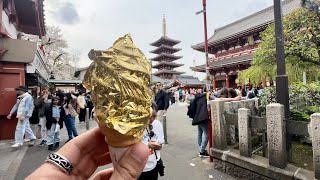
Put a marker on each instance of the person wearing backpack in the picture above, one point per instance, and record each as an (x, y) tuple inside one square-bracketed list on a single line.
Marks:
[(200, 117)]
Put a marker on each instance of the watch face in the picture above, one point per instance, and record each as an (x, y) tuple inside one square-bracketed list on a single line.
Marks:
[(250, 40)]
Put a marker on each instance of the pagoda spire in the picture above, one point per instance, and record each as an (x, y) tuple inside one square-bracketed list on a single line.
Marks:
[(164, 25)]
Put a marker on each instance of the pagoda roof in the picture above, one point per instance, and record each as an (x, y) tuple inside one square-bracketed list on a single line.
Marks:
[(165, 55), (224, 63), (164, 48), (254, 23), (165, 71), (167, 63), (165, 40)]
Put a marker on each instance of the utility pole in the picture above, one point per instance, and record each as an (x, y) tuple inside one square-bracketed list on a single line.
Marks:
[(282, 89)]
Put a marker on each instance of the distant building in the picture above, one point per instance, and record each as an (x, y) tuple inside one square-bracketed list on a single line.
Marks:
[(179, 81), (66, 85), (234, 45), (21, 61), (79, 74), (165, 56)]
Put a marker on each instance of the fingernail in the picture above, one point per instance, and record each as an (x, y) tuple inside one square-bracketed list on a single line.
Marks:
[(139, 152)]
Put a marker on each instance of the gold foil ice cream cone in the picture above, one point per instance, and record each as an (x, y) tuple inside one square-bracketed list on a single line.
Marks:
[(119, 79)]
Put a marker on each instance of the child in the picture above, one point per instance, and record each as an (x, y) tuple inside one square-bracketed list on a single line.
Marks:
[(55, 116)]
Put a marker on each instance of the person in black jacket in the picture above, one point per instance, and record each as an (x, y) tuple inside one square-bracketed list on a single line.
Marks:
[(55, 115), (162, 101), (200, 118)]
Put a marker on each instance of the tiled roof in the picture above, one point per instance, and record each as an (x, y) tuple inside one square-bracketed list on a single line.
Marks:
[(224, 63), (257, 21), (166, 56), (166, 82), (165, 71), (164, 48), (81, 69), (167, 63), (165, 40), (65, 81), (188, 80)]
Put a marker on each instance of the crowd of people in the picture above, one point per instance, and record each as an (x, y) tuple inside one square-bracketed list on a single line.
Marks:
[(43, 114), (46, 113)]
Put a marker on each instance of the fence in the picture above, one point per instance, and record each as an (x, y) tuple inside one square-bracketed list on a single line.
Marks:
[(242, 115)]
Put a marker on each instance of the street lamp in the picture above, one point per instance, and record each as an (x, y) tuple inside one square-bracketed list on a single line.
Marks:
[(205, 43), (282, 89)]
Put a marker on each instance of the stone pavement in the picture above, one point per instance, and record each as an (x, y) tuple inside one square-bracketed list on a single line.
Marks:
[(180, 155), (10, 160)]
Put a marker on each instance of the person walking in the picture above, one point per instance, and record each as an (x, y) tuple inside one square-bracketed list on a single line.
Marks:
[(55, 115), (89, 104), (162, 100), (34, 119), (41, 104), (70, 114), (24, 108), (81, 100), (200, 118), (153, 138)]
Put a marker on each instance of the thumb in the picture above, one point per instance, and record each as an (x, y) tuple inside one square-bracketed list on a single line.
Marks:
[(131, 163)]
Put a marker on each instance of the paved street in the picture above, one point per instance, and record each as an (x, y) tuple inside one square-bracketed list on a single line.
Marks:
[(180, 155)]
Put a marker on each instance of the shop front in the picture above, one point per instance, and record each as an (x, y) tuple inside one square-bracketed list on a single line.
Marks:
[(19, 59)]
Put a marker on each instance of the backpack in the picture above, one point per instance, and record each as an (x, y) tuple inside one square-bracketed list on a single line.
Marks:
[(251, 95), (192, 109)]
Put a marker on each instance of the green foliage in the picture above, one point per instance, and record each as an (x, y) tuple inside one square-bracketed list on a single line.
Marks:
[(302, 50), (304, 100)]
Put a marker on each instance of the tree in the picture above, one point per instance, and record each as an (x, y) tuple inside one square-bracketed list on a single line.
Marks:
[(302, 49), (59, 61)]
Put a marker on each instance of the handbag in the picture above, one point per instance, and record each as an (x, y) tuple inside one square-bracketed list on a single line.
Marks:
[(160, 165)]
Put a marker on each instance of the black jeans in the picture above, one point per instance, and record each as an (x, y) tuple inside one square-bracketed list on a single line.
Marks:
[(82, 115), (149, 175)]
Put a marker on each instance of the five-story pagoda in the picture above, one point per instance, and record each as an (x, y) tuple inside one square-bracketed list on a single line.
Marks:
[(165, 55)]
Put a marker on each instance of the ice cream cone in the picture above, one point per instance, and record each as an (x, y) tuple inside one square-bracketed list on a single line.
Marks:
[(119, 79)]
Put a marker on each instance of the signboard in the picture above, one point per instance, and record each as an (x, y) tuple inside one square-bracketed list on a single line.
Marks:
[(18, 50), (38, 66)]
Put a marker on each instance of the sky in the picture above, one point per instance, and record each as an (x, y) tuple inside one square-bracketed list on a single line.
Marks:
[(96, 24)]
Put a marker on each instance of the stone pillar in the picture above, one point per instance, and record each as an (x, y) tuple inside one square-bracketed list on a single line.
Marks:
[(315, 126), (231, 129), (276, 131), (219, 137), (245, 145), (214, 82), (227, 81)]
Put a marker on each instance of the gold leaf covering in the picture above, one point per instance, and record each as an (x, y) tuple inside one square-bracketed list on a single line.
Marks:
[(118, 79)]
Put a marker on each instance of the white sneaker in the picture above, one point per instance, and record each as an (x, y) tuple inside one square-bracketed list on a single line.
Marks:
[(16, 145), (29, 140)]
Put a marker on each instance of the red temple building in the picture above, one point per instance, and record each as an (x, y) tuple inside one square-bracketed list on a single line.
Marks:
[(234, 45), (165, 56), (21, 61)]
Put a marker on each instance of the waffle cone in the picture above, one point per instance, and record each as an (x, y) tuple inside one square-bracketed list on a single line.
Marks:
[(116, 139)]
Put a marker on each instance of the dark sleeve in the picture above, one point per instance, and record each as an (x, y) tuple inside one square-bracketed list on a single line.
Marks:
[(39, 102), (62, 117), (48, 114), (166, 101)]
